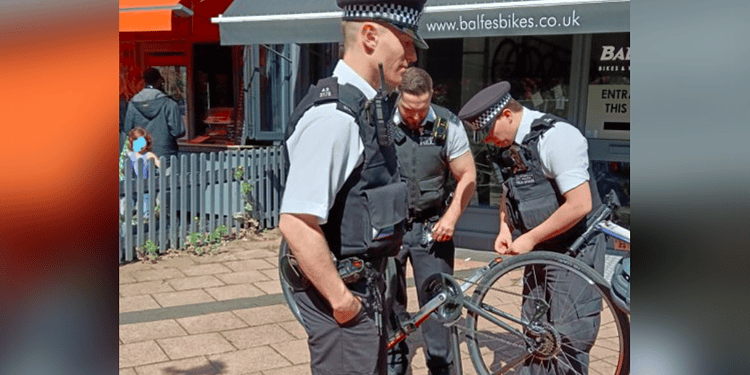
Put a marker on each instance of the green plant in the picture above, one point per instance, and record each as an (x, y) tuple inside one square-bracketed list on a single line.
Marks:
[(150, 249), (247, 190)]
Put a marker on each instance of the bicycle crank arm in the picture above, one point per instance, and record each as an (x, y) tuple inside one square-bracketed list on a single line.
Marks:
[(413, 323)]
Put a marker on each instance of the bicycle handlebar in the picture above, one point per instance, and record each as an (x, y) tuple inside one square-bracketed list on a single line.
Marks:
[(602, 213)]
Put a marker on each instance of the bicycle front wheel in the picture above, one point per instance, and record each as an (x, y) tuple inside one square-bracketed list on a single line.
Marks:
[(546, 313)]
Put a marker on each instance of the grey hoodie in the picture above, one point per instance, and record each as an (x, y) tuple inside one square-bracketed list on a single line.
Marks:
[(154, 111)]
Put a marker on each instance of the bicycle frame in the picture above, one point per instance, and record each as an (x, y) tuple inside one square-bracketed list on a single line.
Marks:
[(599, 224)]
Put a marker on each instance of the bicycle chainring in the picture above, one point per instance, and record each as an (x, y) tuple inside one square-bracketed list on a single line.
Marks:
[(451, 310)]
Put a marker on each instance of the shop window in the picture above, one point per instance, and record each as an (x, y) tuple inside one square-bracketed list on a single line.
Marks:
[(175, 83), (213, 82), (538, 69), (269, 90), (608, 113)]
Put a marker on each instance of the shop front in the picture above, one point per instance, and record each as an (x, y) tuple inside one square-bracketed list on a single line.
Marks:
[(570, 58), (206, 78)]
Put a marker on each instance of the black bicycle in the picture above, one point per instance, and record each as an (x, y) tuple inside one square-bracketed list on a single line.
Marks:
[(501, 337)]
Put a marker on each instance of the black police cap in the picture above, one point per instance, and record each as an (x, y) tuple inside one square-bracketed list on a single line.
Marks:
[(481, 110), (403, 14)]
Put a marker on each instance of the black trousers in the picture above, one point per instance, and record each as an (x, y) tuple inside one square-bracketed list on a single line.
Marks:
[(575, 308), (425, 261), (355, 348)]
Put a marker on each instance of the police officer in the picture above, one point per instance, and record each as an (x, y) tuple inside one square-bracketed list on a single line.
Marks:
[(547, 194), (430, 143), (343, 195)]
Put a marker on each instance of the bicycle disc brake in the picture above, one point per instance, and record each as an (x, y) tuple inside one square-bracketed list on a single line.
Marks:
[(451, 310)]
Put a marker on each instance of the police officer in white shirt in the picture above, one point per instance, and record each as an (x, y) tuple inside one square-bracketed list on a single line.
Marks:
[(548, 192), (343, 192)]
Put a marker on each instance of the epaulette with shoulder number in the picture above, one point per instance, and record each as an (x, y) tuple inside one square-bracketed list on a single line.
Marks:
[(440, 131)]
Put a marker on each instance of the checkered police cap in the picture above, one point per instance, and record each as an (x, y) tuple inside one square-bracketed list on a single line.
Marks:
[(403, 14), (398, 14), (482, 109)]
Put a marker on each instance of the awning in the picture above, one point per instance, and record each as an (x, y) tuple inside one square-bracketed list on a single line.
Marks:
[(150, 15), (319, 21)]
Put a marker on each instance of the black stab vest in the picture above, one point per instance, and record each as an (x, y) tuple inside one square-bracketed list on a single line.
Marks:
[(532, 197), (369, 211), (423, 160)]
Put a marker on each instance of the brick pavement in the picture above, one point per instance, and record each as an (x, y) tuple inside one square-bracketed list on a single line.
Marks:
[(221, 314)]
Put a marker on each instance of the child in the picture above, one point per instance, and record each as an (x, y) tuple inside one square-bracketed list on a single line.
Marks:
[(138, 146)]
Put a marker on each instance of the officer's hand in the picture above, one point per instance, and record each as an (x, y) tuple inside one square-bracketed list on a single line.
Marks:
[(502, 242), (522, 245), (347, 309), (443, 230)]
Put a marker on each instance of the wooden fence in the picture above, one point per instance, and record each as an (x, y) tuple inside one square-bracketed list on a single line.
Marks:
[(197, 194)]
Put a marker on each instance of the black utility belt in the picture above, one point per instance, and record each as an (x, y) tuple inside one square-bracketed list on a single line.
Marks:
[(351, 270)]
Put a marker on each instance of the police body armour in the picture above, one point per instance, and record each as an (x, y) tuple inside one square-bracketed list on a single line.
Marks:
[(370, 209)]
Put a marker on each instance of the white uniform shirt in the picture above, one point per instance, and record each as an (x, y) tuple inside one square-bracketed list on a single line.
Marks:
[(323, 151), (563, 151), (457, 142)]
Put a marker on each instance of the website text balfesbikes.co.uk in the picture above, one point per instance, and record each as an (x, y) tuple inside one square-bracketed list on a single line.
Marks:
[(504, 21)]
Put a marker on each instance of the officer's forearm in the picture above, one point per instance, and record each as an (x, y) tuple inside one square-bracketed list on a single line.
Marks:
[(465, 188), (308, 244)]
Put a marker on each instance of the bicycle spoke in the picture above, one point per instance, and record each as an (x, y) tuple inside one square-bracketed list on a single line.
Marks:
[(568, 364), (540, 297), (512, 364), (521, 344)]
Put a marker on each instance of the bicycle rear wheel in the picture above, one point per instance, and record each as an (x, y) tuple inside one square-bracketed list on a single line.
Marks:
[(568, 325)]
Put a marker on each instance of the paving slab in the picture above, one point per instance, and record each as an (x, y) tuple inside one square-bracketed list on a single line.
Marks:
[(126, 278), (183, 298), (295, 351), (257, 336), (295, 328), (197, 366), (141, 353), (195, 345), (272, 274), (216, 322), (242, 362), (148, 287), (255, 254), (138, 303), (175, 261), (205, 269), (159, 274), (245, 277), (228, 292), (130, 333), (303, 369), (127, 371), (269, 287), (249, 265), (195, 282), (266, 314)]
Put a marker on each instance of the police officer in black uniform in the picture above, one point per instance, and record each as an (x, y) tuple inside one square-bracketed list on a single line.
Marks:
[(548, 191), (430, 143), (344, 201)]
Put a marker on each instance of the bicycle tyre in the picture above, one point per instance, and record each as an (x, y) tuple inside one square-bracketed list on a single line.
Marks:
[(491, 347), (285, 287)]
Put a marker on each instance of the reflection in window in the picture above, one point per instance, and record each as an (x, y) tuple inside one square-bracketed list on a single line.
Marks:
[(270, 87), (538, 69), (175, 83)]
